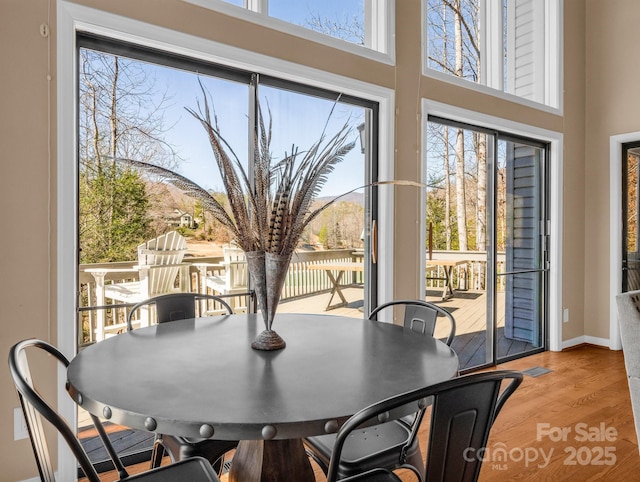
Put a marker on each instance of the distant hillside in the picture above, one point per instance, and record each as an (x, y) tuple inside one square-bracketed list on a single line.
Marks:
[(354, 197)]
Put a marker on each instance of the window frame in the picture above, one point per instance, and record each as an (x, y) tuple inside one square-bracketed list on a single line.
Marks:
[(553, 60), (555, 140), (379, 26), (73, 17)]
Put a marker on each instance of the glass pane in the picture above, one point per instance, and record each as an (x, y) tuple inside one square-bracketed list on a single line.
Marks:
[(502, 44), (461, 167), (343, 19), (518, 207), (456, 249), (336, 236), (137, 111), (519, 247), (453, 38)]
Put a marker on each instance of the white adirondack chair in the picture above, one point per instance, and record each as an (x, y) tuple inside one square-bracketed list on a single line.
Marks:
[(233, 280), (159, 270)]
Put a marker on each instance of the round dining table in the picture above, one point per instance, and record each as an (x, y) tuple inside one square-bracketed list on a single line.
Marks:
[(200, 378)]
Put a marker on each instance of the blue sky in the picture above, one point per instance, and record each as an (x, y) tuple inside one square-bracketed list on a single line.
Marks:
[(297, 120)]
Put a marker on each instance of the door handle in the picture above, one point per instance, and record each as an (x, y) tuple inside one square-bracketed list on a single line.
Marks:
[(374, 242)]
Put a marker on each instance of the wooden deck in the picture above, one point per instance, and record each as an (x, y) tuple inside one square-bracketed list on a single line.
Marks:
[(467, 307)]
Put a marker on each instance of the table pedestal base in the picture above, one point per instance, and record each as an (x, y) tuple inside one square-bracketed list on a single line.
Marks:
[(271, 461)]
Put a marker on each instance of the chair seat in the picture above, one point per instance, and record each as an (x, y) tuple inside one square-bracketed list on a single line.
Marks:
[(195, 469), (220, 284), (180, 448), (376, 446), (129, 291), (377, 475)]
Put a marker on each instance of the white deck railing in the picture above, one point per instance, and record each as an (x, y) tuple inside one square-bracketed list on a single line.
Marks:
[(95, 321)]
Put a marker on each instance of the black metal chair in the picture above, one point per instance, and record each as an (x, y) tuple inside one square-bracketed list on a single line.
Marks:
[(421, 317), (175, 307), (463, 411), (396, 442), (35, 408)]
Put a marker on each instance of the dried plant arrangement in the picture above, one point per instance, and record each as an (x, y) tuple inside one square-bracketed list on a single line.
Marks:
[(269, 210)]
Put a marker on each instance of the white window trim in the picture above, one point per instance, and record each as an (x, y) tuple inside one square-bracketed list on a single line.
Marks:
[(492, 65), (553, 66), (381, 26), (555, 214), (615, 232), (72, 17)]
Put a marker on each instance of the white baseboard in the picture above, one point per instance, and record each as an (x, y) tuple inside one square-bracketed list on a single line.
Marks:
[(591, 340), (35, 479)]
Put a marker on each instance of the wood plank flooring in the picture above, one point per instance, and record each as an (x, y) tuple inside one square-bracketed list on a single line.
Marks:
[(585, 392)]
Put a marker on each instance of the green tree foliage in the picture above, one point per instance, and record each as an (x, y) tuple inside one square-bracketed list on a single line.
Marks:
[(435, 216), (323, 236), (113, 215), (119, 116)]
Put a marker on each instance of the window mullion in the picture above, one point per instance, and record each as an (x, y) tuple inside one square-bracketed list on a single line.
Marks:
[(375, 25), (491, 47), (259, 6)]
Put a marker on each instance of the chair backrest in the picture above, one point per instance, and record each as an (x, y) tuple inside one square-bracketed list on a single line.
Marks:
[(178, 306), (168, 248), (233, 253), (236, 275), (159, 262), (35, 408), (421, 317), (462, 414)]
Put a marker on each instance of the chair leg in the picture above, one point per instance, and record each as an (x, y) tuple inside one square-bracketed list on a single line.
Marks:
[(415, 463), (157, 453), (218, 465), (324, 467)]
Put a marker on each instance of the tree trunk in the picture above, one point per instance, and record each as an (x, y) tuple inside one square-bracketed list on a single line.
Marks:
[(447, 170), (447, 189), (481, 207), (461, 210)]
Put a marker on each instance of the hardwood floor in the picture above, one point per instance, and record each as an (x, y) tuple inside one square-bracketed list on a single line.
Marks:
[(586, 390), (584, 393)]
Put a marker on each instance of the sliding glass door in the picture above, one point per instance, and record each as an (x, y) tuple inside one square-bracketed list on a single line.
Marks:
[(487, 239)]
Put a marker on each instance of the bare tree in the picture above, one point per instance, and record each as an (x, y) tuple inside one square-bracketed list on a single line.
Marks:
[(345, 28), (481, 198), (454, 49), (121, 115)]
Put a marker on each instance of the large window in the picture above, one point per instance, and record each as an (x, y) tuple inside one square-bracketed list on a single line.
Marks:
[(509, 45), (340, 23), (139, 104)]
